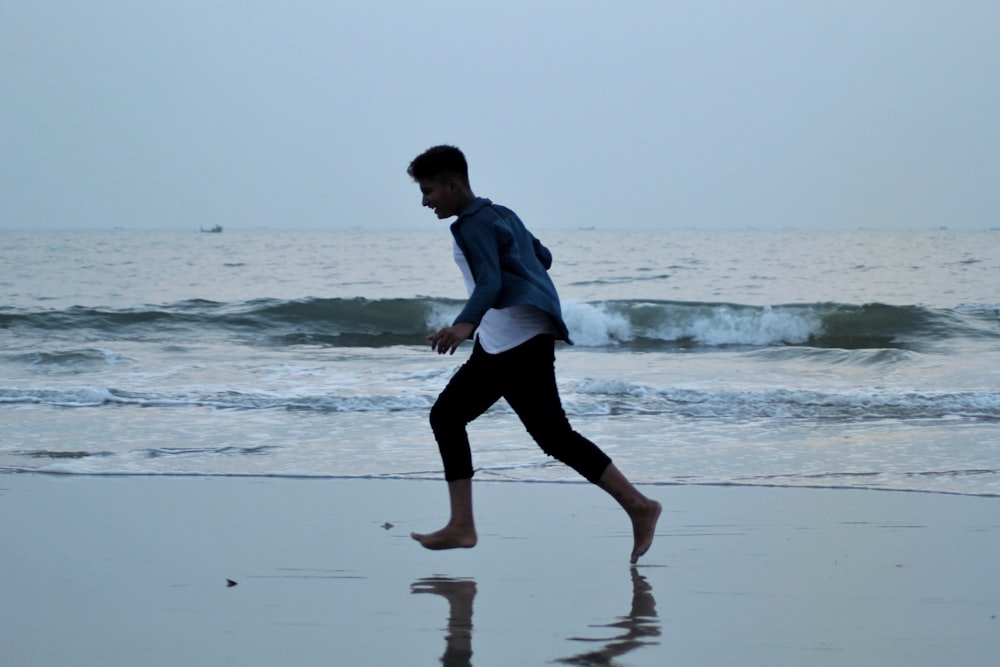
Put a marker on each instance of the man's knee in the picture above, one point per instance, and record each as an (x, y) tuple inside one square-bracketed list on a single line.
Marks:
[(443, 420), (551, 433), (573, 449), (553, 440)]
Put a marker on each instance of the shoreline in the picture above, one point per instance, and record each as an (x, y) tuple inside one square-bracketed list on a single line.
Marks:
[(481, 478), (120, 570)]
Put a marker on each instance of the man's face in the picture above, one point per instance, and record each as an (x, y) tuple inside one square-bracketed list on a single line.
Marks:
[(441, 196)]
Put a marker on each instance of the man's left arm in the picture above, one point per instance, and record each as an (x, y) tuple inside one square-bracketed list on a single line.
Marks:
[(482, 252)]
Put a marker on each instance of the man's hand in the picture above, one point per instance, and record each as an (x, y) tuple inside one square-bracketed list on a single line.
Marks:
[(447, 340)]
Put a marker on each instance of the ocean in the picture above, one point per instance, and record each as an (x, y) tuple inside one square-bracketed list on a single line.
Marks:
[(860, 359)]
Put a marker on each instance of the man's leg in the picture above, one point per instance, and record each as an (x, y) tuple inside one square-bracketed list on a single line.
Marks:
[(531, 391), (642, 511), (529, 387), (460, 531), (468, 394)]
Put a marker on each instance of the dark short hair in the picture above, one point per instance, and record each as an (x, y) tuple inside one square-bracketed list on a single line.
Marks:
[(439, 162)]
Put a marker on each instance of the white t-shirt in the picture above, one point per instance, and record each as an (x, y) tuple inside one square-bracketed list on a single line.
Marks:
[(504, 328)]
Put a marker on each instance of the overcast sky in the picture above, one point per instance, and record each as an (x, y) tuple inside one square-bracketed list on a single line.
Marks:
[(664, 114)]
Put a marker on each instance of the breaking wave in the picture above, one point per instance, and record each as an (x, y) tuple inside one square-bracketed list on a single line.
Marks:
[(389, 322)]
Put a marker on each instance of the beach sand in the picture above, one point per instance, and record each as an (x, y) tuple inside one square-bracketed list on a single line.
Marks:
[(133, 571)]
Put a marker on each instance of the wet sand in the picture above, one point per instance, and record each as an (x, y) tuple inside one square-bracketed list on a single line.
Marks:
[(129, 571)]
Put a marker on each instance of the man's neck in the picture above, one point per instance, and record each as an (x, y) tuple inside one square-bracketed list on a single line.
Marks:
[(464, 199)]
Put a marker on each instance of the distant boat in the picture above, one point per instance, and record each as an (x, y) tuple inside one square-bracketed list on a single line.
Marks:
[(213, 230)]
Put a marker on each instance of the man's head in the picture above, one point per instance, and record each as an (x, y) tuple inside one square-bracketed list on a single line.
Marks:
[(439, 162), (443, 176)]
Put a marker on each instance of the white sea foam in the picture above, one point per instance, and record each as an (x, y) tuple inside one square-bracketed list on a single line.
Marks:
[(714, 325), (725, 325), (592, 325)]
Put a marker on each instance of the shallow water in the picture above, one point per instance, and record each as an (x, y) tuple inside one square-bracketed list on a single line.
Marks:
[(857, 359)]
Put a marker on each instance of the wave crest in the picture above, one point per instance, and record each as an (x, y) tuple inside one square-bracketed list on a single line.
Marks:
[(640, 323)]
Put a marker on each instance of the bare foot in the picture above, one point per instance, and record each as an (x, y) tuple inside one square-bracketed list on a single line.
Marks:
[(644, 528), (449, 537)]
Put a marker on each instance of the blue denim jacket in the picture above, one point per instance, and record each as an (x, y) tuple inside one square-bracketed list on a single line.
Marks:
[(509, 265)]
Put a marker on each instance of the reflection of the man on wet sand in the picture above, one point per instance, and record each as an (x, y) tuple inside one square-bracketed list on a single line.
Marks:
[(460, 594), (638, 627)]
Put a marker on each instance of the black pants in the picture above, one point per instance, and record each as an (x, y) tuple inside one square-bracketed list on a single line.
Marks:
[(525, 377)]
